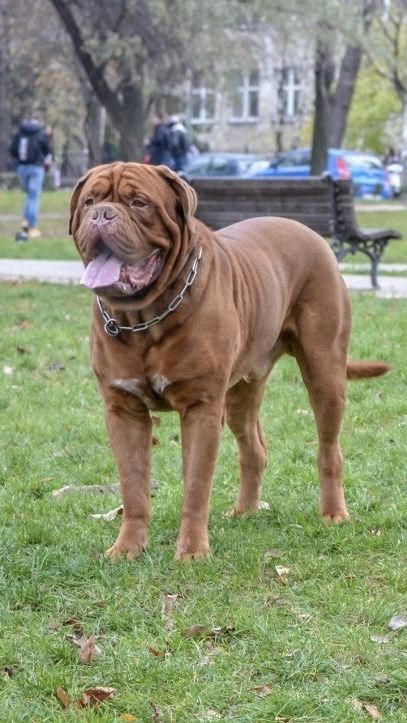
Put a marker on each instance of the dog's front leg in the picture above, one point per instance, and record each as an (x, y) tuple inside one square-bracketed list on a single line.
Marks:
[(201, 427), (129, 429)]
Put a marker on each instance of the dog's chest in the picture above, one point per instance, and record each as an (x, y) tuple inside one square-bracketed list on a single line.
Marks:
[(149, 389)]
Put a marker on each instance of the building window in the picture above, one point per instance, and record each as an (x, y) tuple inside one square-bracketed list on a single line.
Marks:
[(203, 102), (291, 92), (245, 96)]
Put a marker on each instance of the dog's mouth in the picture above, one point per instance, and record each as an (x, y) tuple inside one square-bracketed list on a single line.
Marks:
[(107, 274)]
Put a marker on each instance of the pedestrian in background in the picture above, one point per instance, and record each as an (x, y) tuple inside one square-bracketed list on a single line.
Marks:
[(178, 143), (31, 148), (159, 144)]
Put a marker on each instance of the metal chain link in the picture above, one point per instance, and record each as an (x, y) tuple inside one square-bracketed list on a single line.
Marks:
[(113, 328)]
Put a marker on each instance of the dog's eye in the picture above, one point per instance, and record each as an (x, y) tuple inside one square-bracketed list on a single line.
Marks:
[(138, 203), (89, 201)]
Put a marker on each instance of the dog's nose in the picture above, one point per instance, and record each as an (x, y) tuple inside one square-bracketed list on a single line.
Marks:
[(103, 214)]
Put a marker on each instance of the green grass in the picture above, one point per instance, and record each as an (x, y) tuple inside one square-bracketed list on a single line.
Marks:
[(309, 638), (56, 244)]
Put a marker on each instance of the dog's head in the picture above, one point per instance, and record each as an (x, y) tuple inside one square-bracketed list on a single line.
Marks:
[(132, 225)]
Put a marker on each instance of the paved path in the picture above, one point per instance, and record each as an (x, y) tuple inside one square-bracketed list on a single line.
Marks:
[(66, 272)]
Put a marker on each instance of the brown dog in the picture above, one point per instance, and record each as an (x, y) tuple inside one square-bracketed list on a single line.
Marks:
[(193, 321)]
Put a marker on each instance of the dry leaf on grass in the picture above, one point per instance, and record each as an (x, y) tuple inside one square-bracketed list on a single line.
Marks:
[(168, 606), (272, 554), (108, 516), (155, 652), (383, 639), (128, 716), (89, 650), (213, 714), (263, 690), (369, 708), (282, 574), (204, 631), (95, 696), (157, 712), (63, 697), (398, 622)]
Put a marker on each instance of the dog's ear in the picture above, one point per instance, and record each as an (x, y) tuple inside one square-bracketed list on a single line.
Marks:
[(73, 219), (184, 191)]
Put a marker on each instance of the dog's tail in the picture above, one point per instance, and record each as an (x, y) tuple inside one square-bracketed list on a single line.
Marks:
[(365, 369)]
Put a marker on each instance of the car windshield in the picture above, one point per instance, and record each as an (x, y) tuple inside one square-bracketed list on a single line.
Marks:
[(365, 162)]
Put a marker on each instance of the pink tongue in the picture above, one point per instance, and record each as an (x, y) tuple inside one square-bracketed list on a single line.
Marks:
[(104, 270)]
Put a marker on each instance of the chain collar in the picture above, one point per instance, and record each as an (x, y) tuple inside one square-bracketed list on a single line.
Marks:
[(113, 328)]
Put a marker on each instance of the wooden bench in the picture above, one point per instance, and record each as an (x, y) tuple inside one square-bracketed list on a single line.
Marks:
[(349, 238), (324, 205)]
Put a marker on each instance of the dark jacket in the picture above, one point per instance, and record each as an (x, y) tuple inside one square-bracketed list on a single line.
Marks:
[(160, 145), (30, 144)]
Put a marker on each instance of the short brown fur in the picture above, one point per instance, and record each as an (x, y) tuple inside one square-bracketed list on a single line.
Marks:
[(264, 287)]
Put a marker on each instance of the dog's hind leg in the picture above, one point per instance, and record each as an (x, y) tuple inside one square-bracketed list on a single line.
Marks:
[(242, 415), (323, 369)]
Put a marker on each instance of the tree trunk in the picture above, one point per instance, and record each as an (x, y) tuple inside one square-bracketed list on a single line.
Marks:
[(324, 72), (125, 109), (342, 99), (94, 130), (5, 126), (130, 125)]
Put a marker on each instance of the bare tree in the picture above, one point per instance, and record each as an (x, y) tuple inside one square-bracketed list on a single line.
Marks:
[(134, 51)]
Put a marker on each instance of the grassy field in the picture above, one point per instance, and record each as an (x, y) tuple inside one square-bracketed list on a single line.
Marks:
[(56, 244), (309, 643)]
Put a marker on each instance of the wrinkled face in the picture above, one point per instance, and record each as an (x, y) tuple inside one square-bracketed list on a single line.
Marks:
[(128, 221)]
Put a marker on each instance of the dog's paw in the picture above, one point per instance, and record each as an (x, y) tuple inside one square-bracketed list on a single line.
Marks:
[(335, 517), (187, 551), (127, 545)]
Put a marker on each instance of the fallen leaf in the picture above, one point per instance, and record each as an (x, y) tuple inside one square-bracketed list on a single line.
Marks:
[(282, 574), (89, 650), (272, 554), (380, 639), (263, 690), (213, 714), (63, 697), (281, 571), (108, 516), (169, 603), (94, 696), (157, 712), (263, 505), (128, 716), (398, 622), (273, 599), (371, 709), (204, 631), (382, 679), (155, 652)]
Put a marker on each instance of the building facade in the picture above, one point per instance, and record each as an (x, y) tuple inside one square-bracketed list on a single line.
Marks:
[(261, 107)]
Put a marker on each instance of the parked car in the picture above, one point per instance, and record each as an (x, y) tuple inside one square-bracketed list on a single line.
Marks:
[(370, 177), (224, 164)]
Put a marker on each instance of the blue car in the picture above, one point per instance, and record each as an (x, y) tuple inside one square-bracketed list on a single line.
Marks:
[(370, 178)]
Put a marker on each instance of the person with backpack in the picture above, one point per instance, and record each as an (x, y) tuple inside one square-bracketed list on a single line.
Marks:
[(159, 143), (178, 143), (31, 148)]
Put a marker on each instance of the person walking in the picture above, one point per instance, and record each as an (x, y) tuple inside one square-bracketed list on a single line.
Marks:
[(159, 144), (31, 148), (179, 145)]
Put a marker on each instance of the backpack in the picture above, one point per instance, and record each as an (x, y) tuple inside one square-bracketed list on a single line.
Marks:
[(30, 147), (178, 141)]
